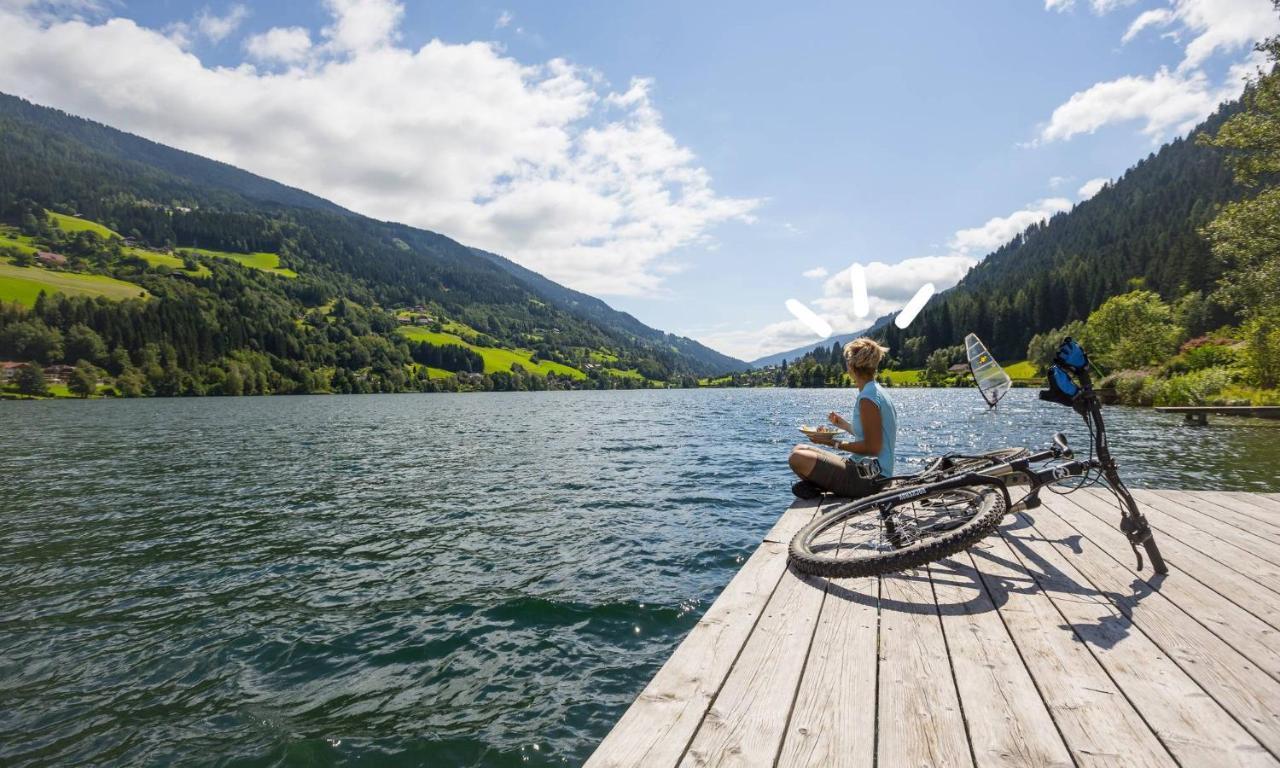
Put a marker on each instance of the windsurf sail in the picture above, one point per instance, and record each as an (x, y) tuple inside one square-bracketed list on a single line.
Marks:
[(992, 381)]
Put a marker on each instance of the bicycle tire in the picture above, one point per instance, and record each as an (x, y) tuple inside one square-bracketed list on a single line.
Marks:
[(991, 508)]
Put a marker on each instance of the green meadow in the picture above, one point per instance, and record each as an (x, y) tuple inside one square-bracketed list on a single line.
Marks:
[(24, 284), (11, 238), (267, 262), (495, 359), (73, 224)]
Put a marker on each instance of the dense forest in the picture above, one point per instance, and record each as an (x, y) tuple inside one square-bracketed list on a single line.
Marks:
[(328, 315)]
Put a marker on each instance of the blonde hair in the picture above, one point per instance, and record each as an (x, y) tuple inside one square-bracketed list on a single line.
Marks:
[(863, 355)]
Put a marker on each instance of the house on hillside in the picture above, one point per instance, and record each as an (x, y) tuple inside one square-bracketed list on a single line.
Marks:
[(51, 259), (959, 369), (9, 369), (58, 374)]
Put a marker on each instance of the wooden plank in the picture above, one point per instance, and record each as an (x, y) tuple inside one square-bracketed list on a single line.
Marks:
[(1225, 584), (1209, 518), (1228, 553), (1192, 726), (656, 728), (919, 715), (833, 722), (1228, 511), (1098, 724), (1238, 684), (745, 723), (1256, 505), (1009, 724)]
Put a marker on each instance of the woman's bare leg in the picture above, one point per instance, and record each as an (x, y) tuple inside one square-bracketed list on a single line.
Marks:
[(803, 459)]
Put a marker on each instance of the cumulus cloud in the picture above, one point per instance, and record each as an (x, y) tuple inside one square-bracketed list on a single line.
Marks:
[(1171, 101), (1168, 101), (889, 286), (1092, 187), (216, 28), (817, 273), (286, 45), (544, 162), (1157, 17), (1000, 229)]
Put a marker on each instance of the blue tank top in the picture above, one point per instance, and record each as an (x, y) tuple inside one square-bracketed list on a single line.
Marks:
[(888, 421)]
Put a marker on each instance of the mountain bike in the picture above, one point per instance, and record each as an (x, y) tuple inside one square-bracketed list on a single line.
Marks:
[(911, 524)]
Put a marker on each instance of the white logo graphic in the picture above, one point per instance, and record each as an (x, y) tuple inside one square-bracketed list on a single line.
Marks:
[(861, 304)]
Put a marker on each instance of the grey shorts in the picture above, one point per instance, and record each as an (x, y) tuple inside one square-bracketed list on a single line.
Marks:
[(839, 475)]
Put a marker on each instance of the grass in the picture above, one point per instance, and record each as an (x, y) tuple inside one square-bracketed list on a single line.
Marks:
[(266, 262), (495, 359), (24, 284), (73, 224), (908, 377), (11, 238), (1023, 369)]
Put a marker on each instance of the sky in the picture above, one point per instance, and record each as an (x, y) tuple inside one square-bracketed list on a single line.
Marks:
[(694, 164)]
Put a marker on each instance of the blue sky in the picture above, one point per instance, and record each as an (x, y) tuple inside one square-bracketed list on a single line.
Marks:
[(686, 161)]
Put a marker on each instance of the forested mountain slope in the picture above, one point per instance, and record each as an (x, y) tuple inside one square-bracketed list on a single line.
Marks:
[(165, 204), (1144, 226)]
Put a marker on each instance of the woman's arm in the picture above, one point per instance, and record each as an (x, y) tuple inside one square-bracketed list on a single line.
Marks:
[(839, 421), (872, 431)]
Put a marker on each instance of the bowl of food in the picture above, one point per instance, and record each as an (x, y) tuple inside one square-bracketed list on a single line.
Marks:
[(819, 432)]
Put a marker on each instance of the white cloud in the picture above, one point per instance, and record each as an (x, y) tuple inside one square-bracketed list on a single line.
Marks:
[(1223, 25), (1057, 181), (1001, 229), (1092, 187), (287, 45), (889, 286), (1157, 17), (1100, 7), (1169, 101), (504, 19), (216, 28), (817, 273), (540, 162), (362, 25)]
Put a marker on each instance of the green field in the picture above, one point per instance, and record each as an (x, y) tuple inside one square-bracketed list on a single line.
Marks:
[(74, 224), (11, 238), (1023, 369), (909, 377), (23, 285), (494, 359), (267, 262)]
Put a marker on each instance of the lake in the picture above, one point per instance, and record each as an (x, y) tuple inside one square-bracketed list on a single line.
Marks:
[(472, 579)]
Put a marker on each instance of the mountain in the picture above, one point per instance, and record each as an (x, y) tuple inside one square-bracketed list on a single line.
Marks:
[(169, 206), (1145, 227), (801, 351)]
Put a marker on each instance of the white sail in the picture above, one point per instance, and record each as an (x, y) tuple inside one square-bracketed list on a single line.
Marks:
[(992, 381)]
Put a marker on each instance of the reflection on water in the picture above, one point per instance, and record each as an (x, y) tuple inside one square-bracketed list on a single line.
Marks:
[(465, 579)]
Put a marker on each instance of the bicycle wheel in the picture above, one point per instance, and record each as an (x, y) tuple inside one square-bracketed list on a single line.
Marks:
[(859, 539), (943, 467)]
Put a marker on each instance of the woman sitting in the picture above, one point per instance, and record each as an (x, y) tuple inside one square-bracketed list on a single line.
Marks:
[(874, 430)]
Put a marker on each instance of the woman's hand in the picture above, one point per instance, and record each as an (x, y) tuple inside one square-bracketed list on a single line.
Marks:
[(823, 438), (839, 421)]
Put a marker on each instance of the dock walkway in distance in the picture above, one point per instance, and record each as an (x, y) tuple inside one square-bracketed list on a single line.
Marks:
[(1040, 646)]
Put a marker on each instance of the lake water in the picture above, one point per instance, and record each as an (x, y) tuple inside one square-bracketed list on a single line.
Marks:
[(484, 579)]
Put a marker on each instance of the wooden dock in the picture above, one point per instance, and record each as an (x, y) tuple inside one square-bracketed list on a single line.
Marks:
[(1199, 414), (1040, 646)]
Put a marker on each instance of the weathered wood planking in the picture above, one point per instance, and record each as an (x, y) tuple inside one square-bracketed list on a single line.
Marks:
[(1041, 646)]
